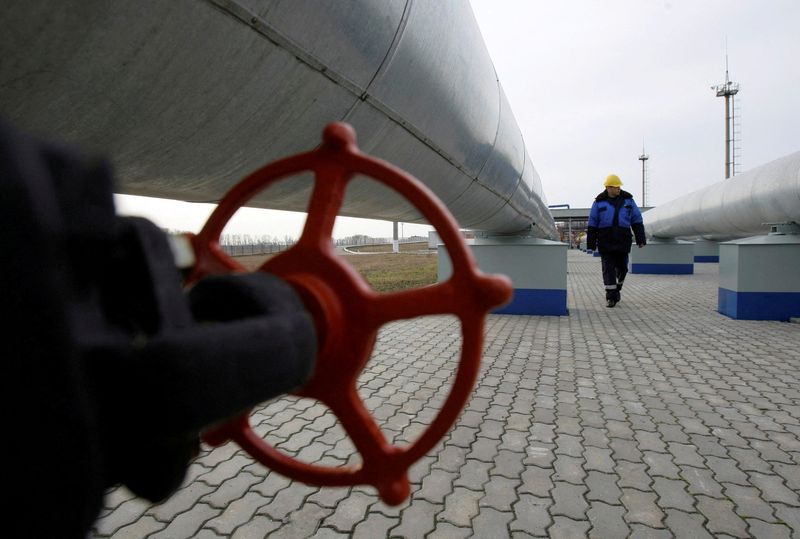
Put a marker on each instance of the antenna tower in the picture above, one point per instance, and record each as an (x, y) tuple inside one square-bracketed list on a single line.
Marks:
[(643, 158), (728, 89)]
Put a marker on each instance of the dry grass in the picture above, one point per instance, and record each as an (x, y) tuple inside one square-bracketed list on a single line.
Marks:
[(387, 248), (384, 272)]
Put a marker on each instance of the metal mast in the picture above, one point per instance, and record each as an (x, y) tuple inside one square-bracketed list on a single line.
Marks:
[(643, 158), (727, 90)]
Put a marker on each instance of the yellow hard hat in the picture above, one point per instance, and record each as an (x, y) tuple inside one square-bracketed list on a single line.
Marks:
[(613, 181)]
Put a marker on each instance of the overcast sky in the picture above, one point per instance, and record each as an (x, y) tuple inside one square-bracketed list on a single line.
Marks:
[(589, 81)]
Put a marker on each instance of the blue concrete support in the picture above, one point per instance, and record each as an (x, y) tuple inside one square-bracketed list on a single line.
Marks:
[(664, 257), (759, 278), (706, 251), (537, 268)]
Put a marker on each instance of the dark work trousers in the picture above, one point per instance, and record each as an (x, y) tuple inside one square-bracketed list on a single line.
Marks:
[(615, 267)]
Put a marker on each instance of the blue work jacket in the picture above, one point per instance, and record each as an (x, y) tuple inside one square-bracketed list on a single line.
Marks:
[(611, 221)]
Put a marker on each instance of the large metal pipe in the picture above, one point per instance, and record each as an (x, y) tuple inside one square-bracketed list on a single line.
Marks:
[(188, 96), (738, 207)]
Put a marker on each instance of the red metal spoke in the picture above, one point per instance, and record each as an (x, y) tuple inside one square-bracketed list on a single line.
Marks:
[(326, 200), (440, 298)]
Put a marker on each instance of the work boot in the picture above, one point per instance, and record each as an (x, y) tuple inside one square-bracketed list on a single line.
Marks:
[(610, 303)]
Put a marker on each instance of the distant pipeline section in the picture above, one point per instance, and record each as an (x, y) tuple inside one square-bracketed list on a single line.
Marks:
[(188, 96), (741, 206)]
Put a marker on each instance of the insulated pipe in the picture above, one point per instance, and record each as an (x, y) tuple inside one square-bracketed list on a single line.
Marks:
[(188, 96), (738, 207)]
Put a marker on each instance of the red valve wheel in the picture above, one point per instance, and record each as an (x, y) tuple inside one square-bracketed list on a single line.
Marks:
[(348, 313)]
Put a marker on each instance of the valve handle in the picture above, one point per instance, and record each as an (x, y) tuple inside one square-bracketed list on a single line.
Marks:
[(348, 313)]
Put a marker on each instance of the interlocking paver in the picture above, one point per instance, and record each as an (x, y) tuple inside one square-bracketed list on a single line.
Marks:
[(672, 494), (749, 430), (189, 523), (570, 469), (598, 459), (328, 497), (460, 507), (626, 450), (452, 457), (774, 489), (531, 515), (661, 465), (436, 485), (423, 466), (417, 520), (445, 530), (139, 528), (721, 517), (484, 449), (685, 455), (474, 474), (771, 451), (607, 521), (766, 530), (519, 421), (673, 433), (603, 487), (569, 445), (595, 437), (257, 527), (232, 489), (327, 533), (508, 464), (302, 523), (124, 514), (375, 525), (790, 516), (348, 512), (491, 523), (514, 440), (749, 503), (726, 471), (225, 470), (642, 508), (537, 481), (640, 531), (463, 436), (499, 493), (565, 528), (684, 524), (286, 501), (181, 502), (791, 473), (619, 428), (237, 512), (569, 500), (116, 497), (633, 475), (650, 441), (701, 481), (491, 429), (205, 533), (642, 423), (539, 454)]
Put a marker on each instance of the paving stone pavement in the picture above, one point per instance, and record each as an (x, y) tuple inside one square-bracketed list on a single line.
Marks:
[(657, 418)]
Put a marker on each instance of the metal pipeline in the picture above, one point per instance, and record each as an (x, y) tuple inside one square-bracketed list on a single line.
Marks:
[(188, 96), (741, 206)]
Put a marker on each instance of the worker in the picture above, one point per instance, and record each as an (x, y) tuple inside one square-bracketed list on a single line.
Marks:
[(614, 213)]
